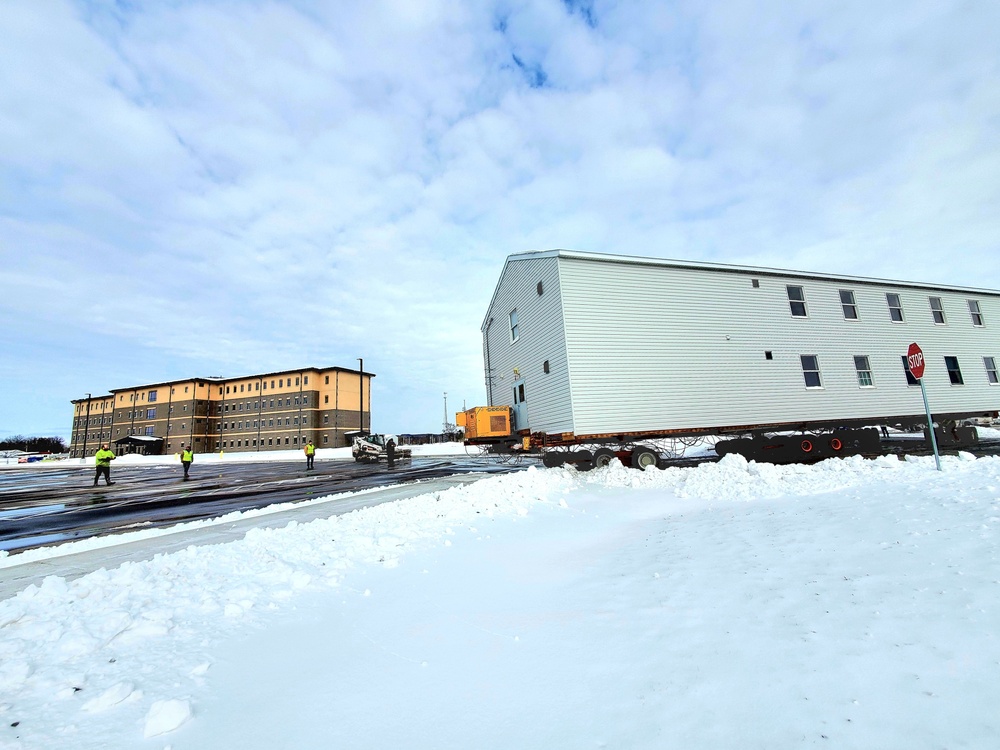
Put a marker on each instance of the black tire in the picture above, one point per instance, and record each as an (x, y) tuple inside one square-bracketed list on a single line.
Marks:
[(602, 457), (554, 459), (582, 457), (644, 457)]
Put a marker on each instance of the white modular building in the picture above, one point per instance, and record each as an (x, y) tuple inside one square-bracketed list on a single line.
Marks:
[(589, 345)]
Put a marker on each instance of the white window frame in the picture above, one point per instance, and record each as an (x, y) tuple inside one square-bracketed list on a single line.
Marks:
[(515, 332), (991, 370), (863, 368), (813, 370), (976, 312), (937, 312), (898, 307), (952, 372), (850, 305), (792, 302)]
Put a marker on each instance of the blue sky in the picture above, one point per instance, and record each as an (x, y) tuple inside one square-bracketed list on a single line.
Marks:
[(197, 188)]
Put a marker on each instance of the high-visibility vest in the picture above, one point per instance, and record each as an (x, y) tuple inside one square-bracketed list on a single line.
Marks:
[(310, 449), (187, 456), (103, 457)]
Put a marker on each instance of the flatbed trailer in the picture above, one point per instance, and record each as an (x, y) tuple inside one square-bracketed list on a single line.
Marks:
[(611, 354)]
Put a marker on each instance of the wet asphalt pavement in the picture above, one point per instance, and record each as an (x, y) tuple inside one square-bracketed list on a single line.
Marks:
[(53, 505)]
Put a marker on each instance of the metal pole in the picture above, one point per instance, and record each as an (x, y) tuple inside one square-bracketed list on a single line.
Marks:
[(361, 395), (930, 424), (86, 423), (260, 406)]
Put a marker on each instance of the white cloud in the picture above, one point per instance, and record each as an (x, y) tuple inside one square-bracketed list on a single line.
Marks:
[(221, 187)]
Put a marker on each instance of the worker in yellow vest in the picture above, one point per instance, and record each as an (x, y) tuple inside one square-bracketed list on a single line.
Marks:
[(310, 451), (103, 459), (187, 456)]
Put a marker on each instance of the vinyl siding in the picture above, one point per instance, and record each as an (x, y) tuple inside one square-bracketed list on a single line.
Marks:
[(547, 397), (665, 347)]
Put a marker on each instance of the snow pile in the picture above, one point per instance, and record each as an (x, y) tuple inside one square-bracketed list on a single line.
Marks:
[(719, 606)]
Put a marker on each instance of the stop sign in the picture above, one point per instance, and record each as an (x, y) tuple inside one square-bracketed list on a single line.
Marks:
[(915, 361)]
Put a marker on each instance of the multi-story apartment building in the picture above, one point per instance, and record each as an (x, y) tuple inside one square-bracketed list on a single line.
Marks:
[(269, 411)]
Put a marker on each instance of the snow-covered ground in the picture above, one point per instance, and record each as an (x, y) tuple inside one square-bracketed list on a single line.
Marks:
[(848, 604)]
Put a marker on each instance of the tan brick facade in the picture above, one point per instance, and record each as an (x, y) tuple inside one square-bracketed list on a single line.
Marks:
[(270, 411)]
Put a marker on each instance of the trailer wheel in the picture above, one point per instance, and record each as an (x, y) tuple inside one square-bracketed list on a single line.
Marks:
[(554, 459), (643, 457), (583, 460), (603, 456)]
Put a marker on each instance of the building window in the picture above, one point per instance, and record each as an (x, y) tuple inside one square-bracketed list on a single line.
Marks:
[(755, 283), (326, 380), (954, 372), (910, 380), (326, 419), (150, 413), (937, 310), (326, 399), (185, 389), (242, 386), (326, 438), (991, 370), (296, 381), (272, 385), (848, 304), (796, 301), (514, 333), (149, 430), (810, 370), (305, 380), (895, 307), (864, 370), (975, 312), (152, 394)]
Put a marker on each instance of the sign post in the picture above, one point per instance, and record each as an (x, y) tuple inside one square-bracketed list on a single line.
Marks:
[(915, 361)]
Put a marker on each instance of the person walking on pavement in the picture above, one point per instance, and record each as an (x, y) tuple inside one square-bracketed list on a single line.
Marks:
[(390, 453), (103, 459), (310, 450), (187, 456)]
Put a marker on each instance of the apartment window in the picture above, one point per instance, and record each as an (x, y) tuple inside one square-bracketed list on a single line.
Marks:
[(296, 400), (270, 423), (272, 384), (810, 370), (152, 394), (910, 380), (242, 386), (864, 370), (848, 304), (326, 419), (895, 307), (514, 334), (796, 301), (954, 372), (185, 389), (937, 310), (288, 402), (326, 380), (975, 312), (265, 385), (272, 403), (326, 399), (256, 386), (150, 413), (991, 370), (305, 380), (270, 441), (296, 381), (149, 430), (326, 438), (227, 389), (295, 421)]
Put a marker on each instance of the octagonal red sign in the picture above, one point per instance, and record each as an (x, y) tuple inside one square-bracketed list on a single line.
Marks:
[(915, 361)]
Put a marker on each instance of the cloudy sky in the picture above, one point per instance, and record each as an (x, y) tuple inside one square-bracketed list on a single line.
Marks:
[(224, 187)]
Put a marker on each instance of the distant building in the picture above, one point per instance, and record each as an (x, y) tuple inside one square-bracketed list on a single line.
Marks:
[(270, 411)]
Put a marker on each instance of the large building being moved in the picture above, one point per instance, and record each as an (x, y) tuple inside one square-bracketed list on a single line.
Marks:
[(268, 411), (585, 346)]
